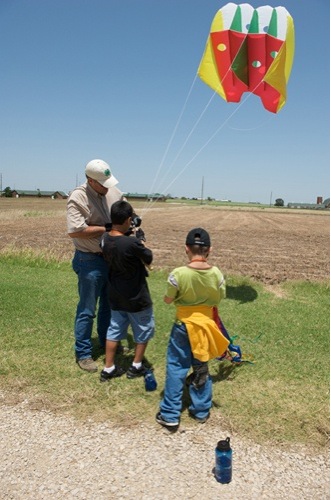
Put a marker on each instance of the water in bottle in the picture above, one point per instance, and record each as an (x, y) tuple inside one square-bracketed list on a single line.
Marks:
[(223, 468)]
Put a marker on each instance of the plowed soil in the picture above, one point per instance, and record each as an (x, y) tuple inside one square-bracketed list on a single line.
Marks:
[(268, 245)]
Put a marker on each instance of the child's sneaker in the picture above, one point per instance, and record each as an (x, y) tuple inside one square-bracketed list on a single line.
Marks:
[(134, 372), (118, 372), (169, 425)]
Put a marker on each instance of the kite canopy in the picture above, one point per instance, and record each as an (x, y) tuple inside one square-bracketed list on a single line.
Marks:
[(249, 50)]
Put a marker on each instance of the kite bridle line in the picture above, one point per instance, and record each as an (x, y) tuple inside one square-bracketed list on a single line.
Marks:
[(187, 138), (148, 204), (172, 135), (145, 210), (262, 124)]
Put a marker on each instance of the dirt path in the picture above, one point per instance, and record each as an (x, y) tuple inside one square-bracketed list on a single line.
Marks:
[(46, 456)]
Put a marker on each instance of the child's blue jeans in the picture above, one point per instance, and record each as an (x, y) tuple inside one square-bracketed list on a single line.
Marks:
[(179, 361)]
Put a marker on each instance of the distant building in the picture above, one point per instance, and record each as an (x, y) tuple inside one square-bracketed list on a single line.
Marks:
[(55, 195), (145, 197), (311, 206)]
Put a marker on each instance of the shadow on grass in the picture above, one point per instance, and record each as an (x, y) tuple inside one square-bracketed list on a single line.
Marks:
[(242, 293), (226, 371), (124, 357)]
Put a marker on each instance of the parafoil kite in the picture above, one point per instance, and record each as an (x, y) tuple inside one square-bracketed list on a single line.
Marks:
[(249, 50)]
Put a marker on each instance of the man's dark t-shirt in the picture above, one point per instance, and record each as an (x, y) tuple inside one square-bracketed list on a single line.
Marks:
[(126, 256)]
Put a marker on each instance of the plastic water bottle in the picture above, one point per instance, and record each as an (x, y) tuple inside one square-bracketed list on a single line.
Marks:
[(150, 381), (223, 468)]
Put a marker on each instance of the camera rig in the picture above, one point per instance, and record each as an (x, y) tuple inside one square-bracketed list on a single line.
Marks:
[(135, 224)]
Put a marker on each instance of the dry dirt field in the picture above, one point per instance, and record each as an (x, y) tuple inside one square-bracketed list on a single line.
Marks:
[(268, 245)]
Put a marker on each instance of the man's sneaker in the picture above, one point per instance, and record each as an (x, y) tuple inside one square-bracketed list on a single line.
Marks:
[(136, 372), (172, 426), (118, 372), (88, 365), (199, 420)]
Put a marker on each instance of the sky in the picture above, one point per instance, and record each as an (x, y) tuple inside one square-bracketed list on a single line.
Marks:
[(116, 80)]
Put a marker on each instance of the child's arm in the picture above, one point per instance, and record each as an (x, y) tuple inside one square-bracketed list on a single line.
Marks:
[(167, 299), (171, 290), (143, 253)]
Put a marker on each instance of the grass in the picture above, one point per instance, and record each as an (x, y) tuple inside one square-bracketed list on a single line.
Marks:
[(238, 205), (282, 396), (218, 203)]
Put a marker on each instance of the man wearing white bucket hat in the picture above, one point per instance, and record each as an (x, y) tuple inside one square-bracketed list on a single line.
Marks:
[(88, 213)]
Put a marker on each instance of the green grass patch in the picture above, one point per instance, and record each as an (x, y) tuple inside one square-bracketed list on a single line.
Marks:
[(282, 395), (217, 203), (36, 213)]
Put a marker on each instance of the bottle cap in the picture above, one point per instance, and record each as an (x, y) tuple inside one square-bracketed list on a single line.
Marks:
[(224, 445)]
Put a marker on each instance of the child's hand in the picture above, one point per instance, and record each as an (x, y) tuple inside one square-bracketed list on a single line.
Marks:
[(140, 235)]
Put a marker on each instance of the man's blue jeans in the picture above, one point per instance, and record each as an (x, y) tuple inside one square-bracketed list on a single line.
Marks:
[(179, 361), (93, 286)]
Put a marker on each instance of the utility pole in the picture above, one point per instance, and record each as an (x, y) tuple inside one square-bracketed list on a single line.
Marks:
[(0, 184), (202, 190), (270, 198)]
